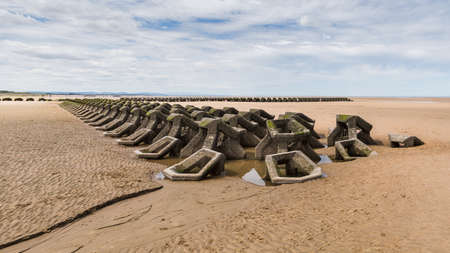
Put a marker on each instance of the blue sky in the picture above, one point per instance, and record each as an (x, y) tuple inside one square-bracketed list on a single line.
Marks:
[(285, 48)]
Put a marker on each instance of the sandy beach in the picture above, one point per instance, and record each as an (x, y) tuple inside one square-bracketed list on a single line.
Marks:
[(54, 166)]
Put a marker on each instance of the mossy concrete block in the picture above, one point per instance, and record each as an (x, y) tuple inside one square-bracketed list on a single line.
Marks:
[(343, 117), (230, 110), (199, 115), (160, 148), (104, 113), (404, 141), (191, 108), (249, 137), (119, 120), (180, 111), (134, 139), (162, 109), (129, 126), (182, 127), (256, 120), (349, 127), (206, 108), (302, 119), (194, 144), (285, 135), (229, 144), (351, 149), (155, 122), (216, 112), (262, 113)]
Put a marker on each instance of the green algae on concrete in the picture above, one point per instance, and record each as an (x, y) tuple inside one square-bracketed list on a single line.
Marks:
[(343, 117)]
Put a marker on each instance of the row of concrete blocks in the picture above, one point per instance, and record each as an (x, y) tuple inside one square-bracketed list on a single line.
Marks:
[(246, 128), (23, 99), (280, 132), (241, 99), (236, 132), (288, 129)]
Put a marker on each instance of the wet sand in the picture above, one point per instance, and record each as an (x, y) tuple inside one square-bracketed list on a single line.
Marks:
[(397, 201)]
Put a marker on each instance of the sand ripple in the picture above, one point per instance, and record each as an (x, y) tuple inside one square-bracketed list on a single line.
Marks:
[(54, 167)]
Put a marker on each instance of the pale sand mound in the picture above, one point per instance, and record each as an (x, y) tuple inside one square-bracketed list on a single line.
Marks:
[(54, 167), (397, 201)]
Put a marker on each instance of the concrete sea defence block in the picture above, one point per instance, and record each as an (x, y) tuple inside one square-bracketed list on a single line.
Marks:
[(351, 149), (404, 141), (199, 165), (160, 148), (349, 127), (291, 167)]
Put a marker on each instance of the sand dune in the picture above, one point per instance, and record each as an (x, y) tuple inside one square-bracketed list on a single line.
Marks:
[(397, 201)]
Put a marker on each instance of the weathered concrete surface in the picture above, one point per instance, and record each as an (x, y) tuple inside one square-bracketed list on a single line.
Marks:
[(349, 127), (160, 148), (296, 165), (199, 165), (285, 135), (128, 127), (404, 141), (351, 149), (156, 120)]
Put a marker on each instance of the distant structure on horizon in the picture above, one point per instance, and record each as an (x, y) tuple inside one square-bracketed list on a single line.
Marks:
[(239, 99)]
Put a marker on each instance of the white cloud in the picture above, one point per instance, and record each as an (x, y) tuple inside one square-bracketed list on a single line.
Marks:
[(305, 20), (234, 47)]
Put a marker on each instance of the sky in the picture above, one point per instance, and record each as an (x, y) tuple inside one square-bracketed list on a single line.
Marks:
[(227, 47)]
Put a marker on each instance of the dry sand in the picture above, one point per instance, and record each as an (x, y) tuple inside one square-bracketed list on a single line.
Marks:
[(397, 201), (54, 167)]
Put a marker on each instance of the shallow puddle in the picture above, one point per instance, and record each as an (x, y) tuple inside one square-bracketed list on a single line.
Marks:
[(324, 159), (239, 168), (159, 176)]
